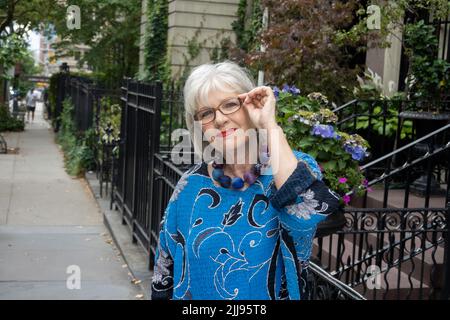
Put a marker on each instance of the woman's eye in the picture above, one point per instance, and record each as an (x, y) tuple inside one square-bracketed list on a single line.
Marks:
[(231, 105), (205, 114)]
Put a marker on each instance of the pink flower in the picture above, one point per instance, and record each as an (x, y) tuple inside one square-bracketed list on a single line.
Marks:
[(365, 183), (342, 180), (346, 199), (369, 189)]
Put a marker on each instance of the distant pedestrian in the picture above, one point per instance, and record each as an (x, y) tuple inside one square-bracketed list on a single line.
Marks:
[(31, 99)]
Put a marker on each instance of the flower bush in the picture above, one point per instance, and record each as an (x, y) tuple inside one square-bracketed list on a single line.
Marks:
[(311, 127)]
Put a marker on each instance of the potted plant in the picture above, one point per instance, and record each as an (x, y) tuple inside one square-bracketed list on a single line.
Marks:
[(310, 126), (428, 77)]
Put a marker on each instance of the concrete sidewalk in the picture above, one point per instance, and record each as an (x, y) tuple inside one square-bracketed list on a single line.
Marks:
[(49, 222)]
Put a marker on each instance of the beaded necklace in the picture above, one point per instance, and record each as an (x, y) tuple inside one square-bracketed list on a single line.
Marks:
[(237, 182)]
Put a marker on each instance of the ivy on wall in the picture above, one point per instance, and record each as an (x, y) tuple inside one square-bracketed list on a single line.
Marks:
[(248, 25), (156, 57)]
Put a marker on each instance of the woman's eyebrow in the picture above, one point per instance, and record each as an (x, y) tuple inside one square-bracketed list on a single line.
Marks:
[(220, 103)]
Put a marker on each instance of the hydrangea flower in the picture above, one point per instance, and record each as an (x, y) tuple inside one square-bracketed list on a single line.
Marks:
[(292, 90), (276, 92), (356, 151), (317, 96), (324, 131)]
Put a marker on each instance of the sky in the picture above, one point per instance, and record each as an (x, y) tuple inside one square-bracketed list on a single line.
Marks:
[(33, 44)]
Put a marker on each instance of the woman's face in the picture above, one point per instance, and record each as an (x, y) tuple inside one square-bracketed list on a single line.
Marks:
[(221, 132)]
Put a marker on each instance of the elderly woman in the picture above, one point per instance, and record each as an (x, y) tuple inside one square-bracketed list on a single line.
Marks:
[(239, 229)]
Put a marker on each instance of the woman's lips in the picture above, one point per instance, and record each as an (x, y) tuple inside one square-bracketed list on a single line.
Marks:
[(225, 133)]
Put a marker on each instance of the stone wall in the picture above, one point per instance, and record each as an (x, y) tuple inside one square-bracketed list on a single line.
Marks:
[(208, 22)]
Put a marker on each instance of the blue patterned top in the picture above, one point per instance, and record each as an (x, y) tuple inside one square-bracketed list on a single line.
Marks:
[(218, 243)]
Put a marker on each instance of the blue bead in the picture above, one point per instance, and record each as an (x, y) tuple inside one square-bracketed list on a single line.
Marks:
[(217, 173), (237, 183), (249, 177), (225, 181)]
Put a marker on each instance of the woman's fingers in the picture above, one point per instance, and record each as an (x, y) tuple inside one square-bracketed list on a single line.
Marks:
[(242, 96), (256, 97), (260, 91)]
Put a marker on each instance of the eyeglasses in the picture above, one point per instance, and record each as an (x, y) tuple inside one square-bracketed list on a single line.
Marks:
[(207, 115)]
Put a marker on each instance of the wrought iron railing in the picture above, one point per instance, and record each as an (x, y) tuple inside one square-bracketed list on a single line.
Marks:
[(425, 160), (408, 247), (323, 286), (135, 183), (390, 253)]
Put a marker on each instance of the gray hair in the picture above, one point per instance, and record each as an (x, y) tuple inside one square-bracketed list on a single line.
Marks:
[(225, 76)]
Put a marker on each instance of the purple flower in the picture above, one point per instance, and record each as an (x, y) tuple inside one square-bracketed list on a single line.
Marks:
[(294, 90), (342, 180), (323, 130), (285, 88), (357, 152), (276, 92), (365, 183), (346, 199)]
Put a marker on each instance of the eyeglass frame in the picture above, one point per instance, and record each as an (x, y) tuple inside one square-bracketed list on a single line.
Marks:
[(218, 108)]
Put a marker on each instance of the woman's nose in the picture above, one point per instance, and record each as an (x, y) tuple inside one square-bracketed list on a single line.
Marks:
[(220, 118)]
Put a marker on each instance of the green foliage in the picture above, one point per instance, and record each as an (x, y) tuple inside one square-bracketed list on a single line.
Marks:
[(28, 68), (12, 49), (52, 94), (248, 27), (156, 65), (377, 124), (110, 28), (78, 154), (372, 101), (429, 77), (221, 52), (109, 124), (8, 123), (299, 116)]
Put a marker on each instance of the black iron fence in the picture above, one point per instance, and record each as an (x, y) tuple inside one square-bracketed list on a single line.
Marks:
[(390, 253), (384, 123), (395, 244), (140, 134), (88, 98)]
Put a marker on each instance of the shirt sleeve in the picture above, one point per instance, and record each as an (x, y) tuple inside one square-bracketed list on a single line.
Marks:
[(162, 280), (304, 195), (302, 201)]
